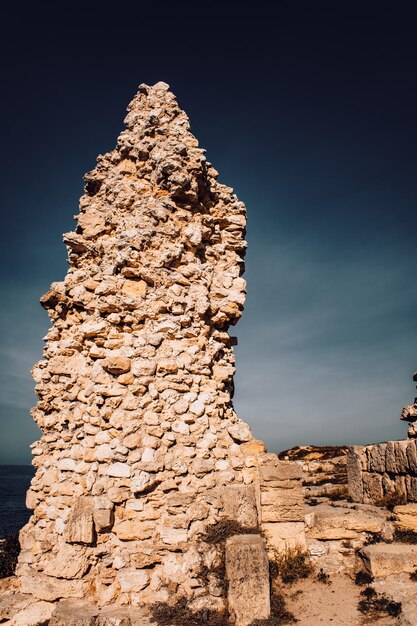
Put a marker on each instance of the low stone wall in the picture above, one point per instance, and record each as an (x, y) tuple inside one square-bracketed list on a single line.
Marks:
[(383, 471)]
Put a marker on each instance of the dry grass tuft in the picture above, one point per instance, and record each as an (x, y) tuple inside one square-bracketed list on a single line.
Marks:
[(405, 536), (179, 615), (291, 565), (376, 605)]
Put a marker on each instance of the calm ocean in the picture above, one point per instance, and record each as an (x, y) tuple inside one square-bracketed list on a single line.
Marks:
[(14, 482)]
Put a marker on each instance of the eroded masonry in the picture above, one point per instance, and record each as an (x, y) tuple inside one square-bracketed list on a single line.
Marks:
[(141, 451)]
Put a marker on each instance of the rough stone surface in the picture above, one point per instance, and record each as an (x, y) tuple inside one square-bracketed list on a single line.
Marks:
[(135, 387), (344, 523), (239, 504), (247, 572), (282, 536), (384, 559), (36, 614)]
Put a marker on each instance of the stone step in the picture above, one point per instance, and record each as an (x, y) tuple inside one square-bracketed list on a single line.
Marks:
[(339, 522), (385, 559)]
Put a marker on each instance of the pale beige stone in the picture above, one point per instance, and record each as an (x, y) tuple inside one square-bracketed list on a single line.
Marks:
[(80, 524), (70, 562), (385, 559), (133, 529), (281, 536), (116, 364), (135, 288), (133, 580), (406, 517), (354, 474), (36, 614), (344, 523), (247, 572)]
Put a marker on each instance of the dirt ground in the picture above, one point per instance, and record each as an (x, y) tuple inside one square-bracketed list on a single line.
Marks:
[(334, 604)]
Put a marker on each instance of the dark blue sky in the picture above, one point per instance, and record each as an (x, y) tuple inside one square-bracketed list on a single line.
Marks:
[(310, 114)]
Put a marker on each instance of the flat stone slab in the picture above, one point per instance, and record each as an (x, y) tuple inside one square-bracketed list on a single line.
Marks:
[(384, 559), (247, 572), (406, 516), (331, 522)]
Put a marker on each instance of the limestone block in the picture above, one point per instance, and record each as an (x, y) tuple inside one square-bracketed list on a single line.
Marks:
[(32, 499), (119, 470), (281, 471), (247, 573), (406, 517), (344, 523), (132, 579), (280, 536), (71, 561), (412, 455), (409, 413), (116, 364), (372, 487), (143, 481), (391, 464), (80, 525), (411, 486), (239, 504), (254, 447), (385, 559), (50, 588), (376, 455), (133, 529), (400, 448), (240, 432), (354, 473), (36, 614), (103, 520), (134, 288), (66, 366), (282, 505)]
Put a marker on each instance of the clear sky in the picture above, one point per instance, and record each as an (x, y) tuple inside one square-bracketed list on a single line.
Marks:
[(309, 112)]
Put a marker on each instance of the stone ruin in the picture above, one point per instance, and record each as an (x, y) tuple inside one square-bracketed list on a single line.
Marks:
[(386, 471), (141, 450)]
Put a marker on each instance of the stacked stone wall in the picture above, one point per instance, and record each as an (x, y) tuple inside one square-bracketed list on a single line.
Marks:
[(382, 472)]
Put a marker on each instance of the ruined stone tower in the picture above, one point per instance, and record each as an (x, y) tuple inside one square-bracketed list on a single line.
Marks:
[(135, 388), (141, 451)]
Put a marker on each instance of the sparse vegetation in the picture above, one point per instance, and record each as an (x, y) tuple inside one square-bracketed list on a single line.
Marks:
[(363, 578), (9, 551), (376, 605), (341, 493), (373, 538), (219, 532), (179, 614), (291, 565), (322, 577), (413, 575), (405, 536)]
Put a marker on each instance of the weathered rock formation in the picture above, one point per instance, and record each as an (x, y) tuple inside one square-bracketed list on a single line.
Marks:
[(141, 450)]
